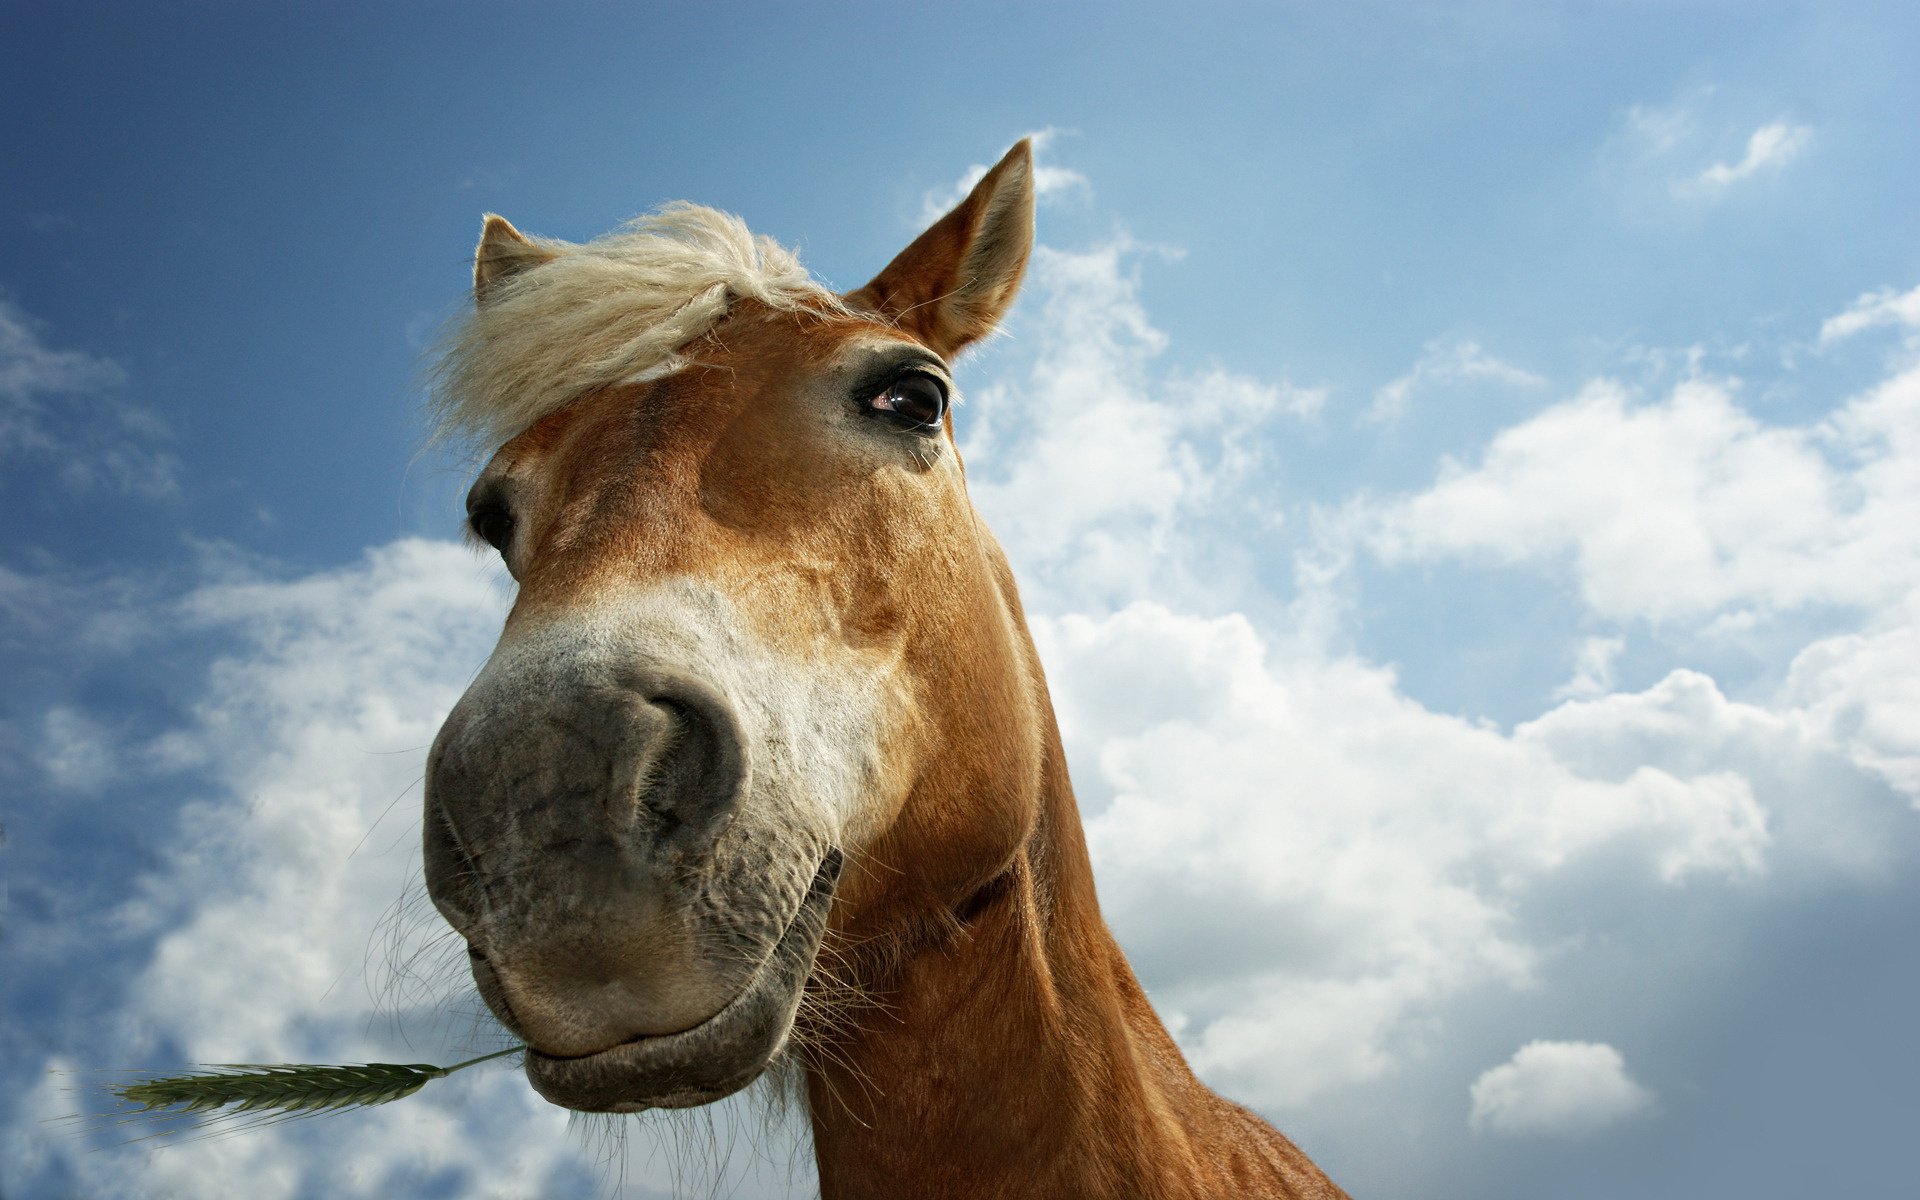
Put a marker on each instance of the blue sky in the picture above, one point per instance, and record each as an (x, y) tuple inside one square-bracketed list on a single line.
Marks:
[(1459, 459)]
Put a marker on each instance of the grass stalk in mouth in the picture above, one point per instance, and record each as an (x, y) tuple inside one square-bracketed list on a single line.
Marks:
[(294, 1088)]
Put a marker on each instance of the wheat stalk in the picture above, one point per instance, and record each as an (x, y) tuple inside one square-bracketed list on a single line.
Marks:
[(285, 1087)]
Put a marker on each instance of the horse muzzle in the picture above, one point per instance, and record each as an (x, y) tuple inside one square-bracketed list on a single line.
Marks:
[(714, 1059), (580, 834)]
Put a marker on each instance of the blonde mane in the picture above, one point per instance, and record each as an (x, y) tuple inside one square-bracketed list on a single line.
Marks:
[(614, 310)]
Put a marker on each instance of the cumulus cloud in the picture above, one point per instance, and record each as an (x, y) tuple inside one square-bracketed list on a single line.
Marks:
[(1687, 507), (60, 406), (1446, 362), (1088, 454), (1310, 868), (1862, 692), (1691, 511), (1308, 865), (1835, 814), (1557, 1089)]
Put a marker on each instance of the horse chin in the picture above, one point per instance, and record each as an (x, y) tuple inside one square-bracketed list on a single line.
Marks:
[(715, 1058)]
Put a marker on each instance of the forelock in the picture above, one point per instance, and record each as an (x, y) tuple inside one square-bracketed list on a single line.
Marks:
[(614, 310)]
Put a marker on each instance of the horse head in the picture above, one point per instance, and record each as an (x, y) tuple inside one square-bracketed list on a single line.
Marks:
[(765, 672)]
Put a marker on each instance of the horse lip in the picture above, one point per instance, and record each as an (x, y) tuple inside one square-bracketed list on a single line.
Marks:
[(660, 1039), (641, 1038), (715, 1058)]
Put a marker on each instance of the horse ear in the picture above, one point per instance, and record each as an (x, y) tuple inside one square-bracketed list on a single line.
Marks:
[(503, 251), (954, 283)]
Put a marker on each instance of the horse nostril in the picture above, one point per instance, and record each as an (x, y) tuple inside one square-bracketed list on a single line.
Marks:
[(591, 787), (670, 742), (696, 770)]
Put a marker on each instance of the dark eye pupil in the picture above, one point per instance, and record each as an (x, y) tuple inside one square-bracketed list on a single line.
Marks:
[(494, 527), (917, 399)]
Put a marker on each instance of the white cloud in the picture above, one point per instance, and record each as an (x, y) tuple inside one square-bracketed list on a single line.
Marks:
[(1862, 692), (1874, 309), (1308, 866), (1050, 181), (1829, 813), (1679, 148), (57, 407), (313, 735), (1593, 668), (1091, 453), (1311, 870), (28, 367), (1557, 1089), (1223, 397), (1769, 148), (1444, 362), (1693, 512), (1090, 437), (1689, 507)]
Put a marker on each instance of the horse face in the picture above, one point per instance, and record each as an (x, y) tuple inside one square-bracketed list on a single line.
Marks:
[(753, 598)]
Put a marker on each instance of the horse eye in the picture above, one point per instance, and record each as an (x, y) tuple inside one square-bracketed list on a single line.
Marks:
[(494, 526), (914, 400)]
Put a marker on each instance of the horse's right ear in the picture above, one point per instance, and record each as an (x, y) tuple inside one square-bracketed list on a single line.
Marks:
[(955, 282), (503, 251)]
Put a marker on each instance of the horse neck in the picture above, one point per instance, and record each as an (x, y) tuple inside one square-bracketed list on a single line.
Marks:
[(1018, 1055)]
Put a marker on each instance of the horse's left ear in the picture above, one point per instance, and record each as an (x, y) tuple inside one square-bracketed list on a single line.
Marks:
[(955, 282), (503, 252)]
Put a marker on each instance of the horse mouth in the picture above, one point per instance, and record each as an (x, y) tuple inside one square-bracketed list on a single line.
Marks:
[(715, 1058)]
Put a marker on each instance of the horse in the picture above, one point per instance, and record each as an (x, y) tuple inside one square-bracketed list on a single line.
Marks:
[(762, 775)]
